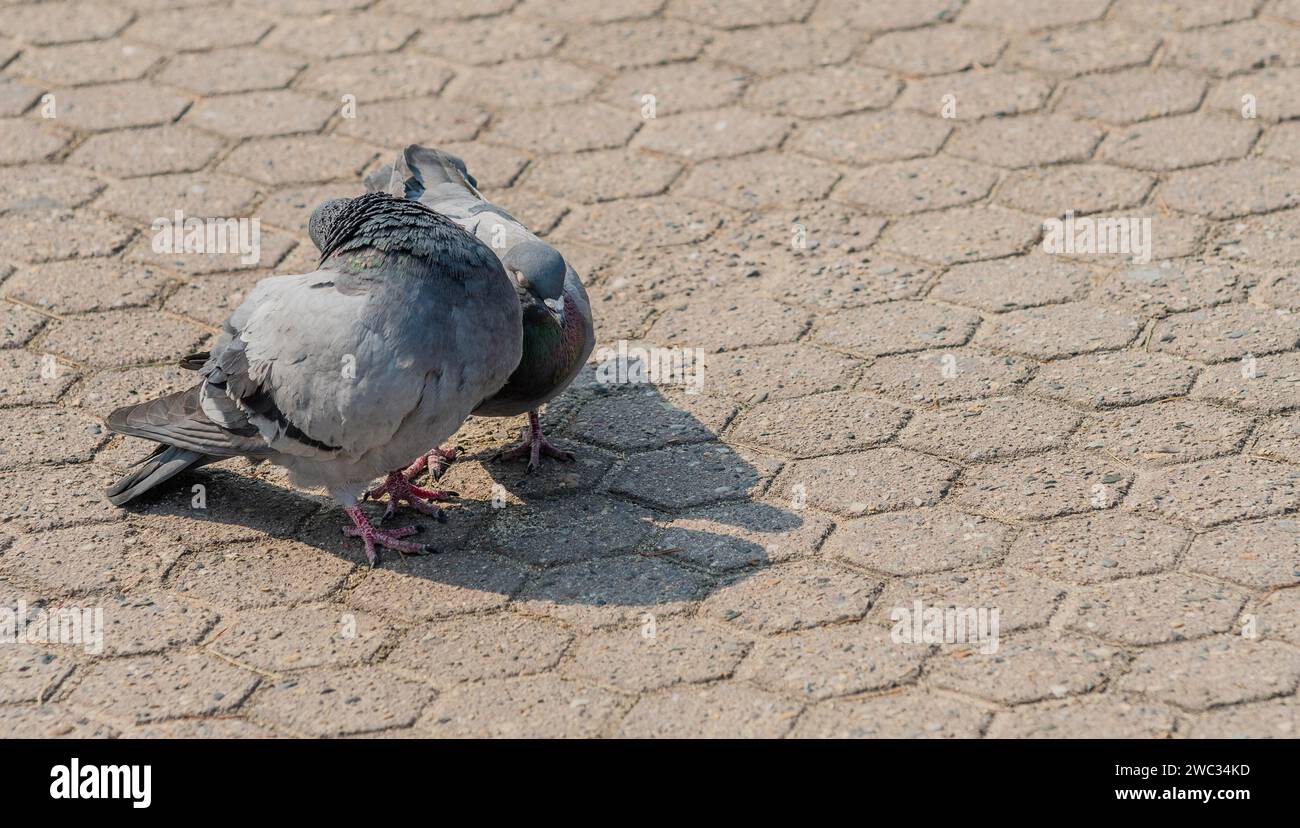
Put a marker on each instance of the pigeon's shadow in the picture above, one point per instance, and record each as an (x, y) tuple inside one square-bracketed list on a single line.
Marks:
[(654, 512)]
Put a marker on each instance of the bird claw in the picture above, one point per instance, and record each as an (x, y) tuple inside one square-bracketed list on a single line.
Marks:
[(534, 447), (400, 490), (437, 461), (386, 538)]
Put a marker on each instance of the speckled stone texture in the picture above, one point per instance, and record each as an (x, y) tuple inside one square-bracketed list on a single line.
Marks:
[(905, 398)]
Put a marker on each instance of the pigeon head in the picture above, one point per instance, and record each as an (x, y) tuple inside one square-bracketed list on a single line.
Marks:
[(325, 221), (539, 270)]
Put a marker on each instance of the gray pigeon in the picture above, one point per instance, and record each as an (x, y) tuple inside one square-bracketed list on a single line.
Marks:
[(343, 374), (557, 324)]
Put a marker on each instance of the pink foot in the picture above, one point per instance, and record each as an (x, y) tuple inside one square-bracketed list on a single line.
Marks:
[(387, 538), (437, 461), (399, 490), (535, 445)]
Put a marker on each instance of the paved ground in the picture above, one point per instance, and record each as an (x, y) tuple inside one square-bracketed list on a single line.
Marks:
[(904, 397)]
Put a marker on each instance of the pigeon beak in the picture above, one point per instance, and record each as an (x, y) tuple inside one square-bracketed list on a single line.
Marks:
[(556, 307), (521, 279)]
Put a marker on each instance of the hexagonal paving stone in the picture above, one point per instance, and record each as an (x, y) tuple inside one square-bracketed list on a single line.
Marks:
[(779, 372), (154, 688), (723, 322), (840, 660), (934, 50), (968, 598), (175, 149), (977, 94), (1278, 290), (1279, 439), (823, 424), (718, 711), (770, 49), (1182, 14), (261, 575), (1013, 14), (1132, 95), (1093, 717), (434, 586), (880, 480), (81, 286), (570, 530), (712, 134), (119, 105), (647, 419), (56, 234), (936, 377), (1226, 332), (23, 141), (1264, 720), (1157, 290), (1163, 434), (1172, 143), (756, 181), (150, 622), (895, 715), (36, 186), (1044, 486), (30, 675), (298, 159), (261, 114), (1214, 671), (329, 36), (825, 91), (627, 44), (51, 721), (46, 435), (1266, 385), (1114, 379), (882, 15), (323, 703), (1089, 549), (871, 137), (197, 30), (896, 327), (567, 128), (917, 541), (1272, 92), (491, 40), (1153, 610), (674, 652), (198, 195), (677, 87), (239, 69), (613, 591), (429, 120), (446, 653), (1219, 491), (963, 234), (123, 338), (603, 175), (1237, 188), (1081, 188), (1280, 613), (32, 379), (283, 639), (1009, 284), (64, 22), (652, 222), (1029, 140), (682, 476), (1271, 239), (1078, 50), (733, 536), (371, 78), (1031, 666), (914, 186), (525, 83), (18, 325), (989, 429), (1236, 47), (539, 706), (1060, 330), (793, 596), (1261, 555)]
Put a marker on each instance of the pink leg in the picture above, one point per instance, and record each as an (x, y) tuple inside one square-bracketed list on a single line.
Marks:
[(387, 538), (399, 490), (535, 446)]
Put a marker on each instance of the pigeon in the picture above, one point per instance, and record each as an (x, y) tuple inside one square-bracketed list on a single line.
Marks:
[(342, 375), (558, 329)]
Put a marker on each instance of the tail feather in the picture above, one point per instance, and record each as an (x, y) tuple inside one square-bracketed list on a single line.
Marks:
[(164, 464)]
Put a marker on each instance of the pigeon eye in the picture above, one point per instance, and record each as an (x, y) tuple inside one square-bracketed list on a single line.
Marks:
[(522, 279)]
